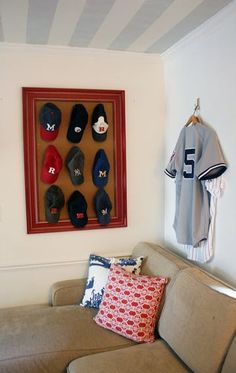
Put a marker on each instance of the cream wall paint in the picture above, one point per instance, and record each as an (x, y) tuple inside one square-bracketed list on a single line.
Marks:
[(30, 263), (203, 65)]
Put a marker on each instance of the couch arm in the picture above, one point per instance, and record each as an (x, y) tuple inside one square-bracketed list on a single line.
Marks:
[(67, 292)]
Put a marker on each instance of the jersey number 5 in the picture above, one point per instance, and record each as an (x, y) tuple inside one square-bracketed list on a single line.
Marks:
[(189, 161)]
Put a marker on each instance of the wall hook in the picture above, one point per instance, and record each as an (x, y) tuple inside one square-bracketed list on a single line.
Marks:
[(197, 105)]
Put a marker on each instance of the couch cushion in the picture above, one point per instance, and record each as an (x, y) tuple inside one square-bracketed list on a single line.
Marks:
[(197, 321), (150, 357), (47, 339), (159, 261)]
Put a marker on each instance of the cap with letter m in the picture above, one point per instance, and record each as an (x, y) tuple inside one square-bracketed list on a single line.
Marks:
[(50, 121), (101, 168)]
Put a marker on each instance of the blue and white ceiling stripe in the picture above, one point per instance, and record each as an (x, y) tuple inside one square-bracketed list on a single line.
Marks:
[(149, 26), (39, 20), (90, 20)]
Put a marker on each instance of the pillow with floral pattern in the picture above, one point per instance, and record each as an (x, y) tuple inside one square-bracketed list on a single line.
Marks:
[(98, 275)]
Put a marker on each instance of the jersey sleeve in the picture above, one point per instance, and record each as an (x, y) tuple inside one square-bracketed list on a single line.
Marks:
[(211, 163), (171, 168)]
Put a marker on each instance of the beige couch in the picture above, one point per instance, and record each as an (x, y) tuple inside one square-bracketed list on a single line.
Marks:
[(196, 329)]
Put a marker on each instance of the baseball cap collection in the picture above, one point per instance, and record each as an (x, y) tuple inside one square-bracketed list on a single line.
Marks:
[(50, 118)]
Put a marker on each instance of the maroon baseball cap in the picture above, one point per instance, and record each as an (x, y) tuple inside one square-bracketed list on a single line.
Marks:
[(50, 120), (52, 165)]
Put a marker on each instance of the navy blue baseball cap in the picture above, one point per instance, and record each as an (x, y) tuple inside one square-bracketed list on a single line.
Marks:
[(99, 123), (102, 206), (75, 165), (101, 168), (50, 120), (77, 124), (77, 209)]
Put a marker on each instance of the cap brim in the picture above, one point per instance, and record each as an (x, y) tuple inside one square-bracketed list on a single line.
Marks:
[(99, 136), (99, 182), (48, 178), (76, 180), (51, 218), (48, 135), (78, 223), (103, 219)]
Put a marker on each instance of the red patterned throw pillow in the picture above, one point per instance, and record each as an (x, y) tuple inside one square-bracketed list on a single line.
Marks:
[(130, 304)]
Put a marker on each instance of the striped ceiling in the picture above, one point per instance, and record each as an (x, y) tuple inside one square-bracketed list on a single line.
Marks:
[(148, 26)]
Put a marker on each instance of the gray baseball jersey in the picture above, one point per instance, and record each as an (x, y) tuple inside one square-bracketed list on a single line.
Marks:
[(197, 157)]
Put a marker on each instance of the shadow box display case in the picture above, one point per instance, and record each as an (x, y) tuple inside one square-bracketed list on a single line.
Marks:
[(74, 158)]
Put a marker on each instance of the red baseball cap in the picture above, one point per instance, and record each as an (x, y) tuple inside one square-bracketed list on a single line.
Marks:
[(52, 165)]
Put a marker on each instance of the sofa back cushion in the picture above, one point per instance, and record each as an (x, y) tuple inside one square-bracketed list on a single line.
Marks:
[(230, 361), (197, 321), (159, 261)]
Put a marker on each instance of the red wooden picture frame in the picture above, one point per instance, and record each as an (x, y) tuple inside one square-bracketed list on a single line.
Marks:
[(114, 101)]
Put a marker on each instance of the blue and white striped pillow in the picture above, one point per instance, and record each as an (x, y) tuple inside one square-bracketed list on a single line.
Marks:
[(98, 275)]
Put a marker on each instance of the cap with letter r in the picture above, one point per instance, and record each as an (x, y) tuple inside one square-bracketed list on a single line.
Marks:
[(50, 121), (99, 123), (52, 165)]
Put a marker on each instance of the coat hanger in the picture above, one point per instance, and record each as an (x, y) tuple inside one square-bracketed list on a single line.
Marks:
[(193, 119)]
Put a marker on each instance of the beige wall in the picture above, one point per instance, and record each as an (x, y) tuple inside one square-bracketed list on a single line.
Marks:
[(30, 263), (203, 65)]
